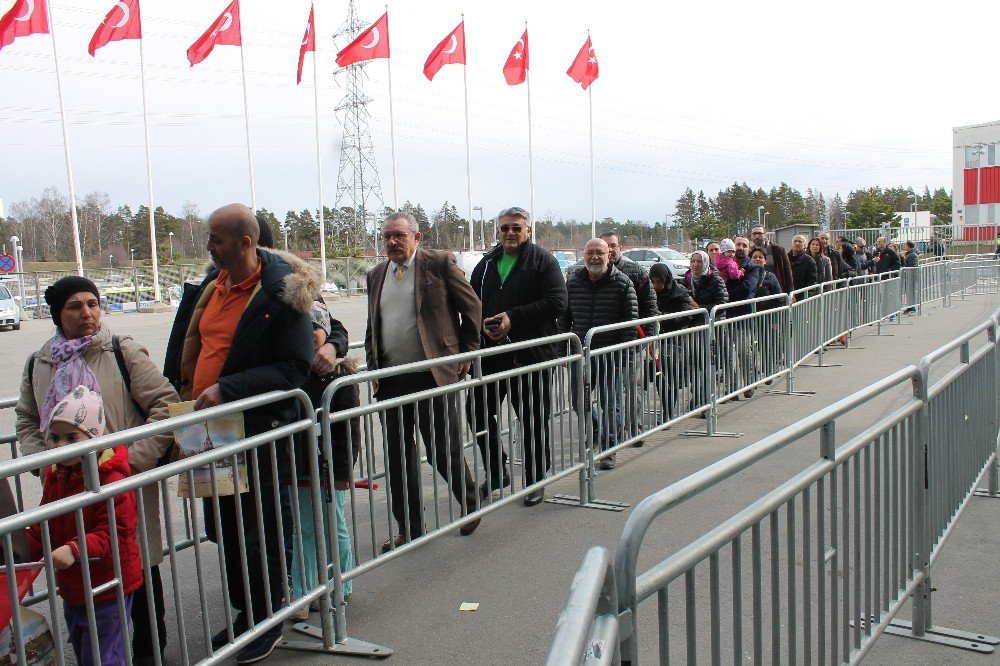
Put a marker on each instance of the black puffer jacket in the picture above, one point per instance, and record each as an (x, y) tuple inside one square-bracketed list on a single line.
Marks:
[(609, 300), (768, 287), (644, 294), (804, 272), (673, 299), (533, 296), (709, 292), (886, 260)]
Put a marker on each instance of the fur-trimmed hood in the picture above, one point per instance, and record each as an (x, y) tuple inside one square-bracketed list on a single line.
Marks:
[(300, 285)]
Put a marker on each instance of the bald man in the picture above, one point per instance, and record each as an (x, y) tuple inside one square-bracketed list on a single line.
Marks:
[(244, 331)]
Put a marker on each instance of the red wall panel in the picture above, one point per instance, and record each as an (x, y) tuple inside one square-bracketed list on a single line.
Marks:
[(971, 186), (991, 185)]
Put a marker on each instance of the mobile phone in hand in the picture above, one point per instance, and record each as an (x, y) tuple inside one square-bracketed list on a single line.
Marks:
[(491, 324)]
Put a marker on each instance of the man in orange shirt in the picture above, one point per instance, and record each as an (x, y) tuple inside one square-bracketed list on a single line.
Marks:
[(245, 331)]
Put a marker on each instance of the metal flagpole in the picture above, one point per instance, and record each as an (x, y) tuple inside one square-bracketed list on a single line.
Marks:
[(246, 116), (468, 152), (149, 178), (69, 161), (392, 135), (319, 161), (593, 191), (531, 162)]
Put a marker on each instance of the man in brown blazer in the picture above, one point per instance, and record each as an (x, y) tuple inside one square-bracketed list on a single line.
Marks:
[(420, 307)]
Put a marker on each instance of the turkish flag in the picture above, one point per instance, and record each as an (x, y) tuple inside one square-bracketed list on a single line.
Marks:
[(25, 574), (308, 43), (371, 44), (224, 31), (26, 17), (584, 68), (122, 22), (451, 51), (516, 67)]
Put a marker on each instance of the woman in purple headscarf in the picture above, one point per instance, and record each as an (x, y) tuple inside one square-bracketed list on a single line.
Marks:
[(82, 352)]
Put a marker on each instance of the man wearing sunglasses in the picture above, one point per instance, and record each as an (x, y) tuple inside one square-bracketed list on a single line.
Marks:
[(523, 294)]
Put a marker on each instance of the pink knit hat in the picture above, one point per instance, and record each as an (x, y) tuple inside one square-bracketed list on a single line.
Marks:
[(82, 408)]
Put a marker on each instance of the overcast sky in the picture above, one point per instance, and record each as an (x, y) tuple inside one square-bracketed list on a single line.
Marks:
[(696, 94)]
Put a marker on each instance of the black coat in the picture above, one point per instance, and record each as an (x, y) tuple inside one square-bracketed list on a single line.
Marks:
[(609, 300), (272, 346), (710, 290), (345, 435), (910, 259), (675, 298), (840, 268), (768, 287), (644, 293), (804, 271), (533, 296), (886, 260)]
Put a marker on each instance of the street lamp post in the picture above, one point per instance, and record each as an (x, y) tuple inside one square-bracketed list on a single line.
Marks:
[(760, 209), (765, 219), (18, 260), (461, 228), (978, 152), (170, 237), (111, 261), (482, 227), (132, 255)]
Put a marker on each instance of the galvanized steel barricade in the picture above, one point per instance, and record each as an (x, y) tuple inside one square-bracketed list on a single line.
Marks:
[(527, 413), (587, 631), (250, 549), (836, 551), (636, 386)]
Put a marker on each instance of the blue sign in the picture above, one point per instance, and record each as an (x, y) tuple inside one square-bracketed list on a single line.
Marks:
[(6, 263)]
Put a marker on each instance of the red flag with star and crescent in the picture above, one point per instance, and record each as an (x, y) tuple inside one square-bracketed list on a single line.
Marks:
[(308, 43), (122, 22), (584, 69), (451, 51), (516, 67), (24, 575), (371, 44), (224, 31), (26, 17)]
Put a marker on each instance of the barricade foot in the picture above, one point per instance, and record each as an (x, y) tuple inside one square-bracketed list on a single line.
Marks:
[(574, 500), (983, 492), (702, 433), (779, 392), (963, 640), (349, 646)]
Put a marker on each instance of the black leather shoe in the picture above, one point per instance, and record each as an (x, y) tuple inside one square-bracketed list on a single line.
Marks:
[(535, 497), (469, 528), (398, 540), (221, 639), (485, 490), (260, 648)]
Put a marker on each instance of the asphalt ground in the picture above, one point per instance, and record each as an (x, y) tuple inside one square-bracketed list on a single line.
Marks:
[(519, 564)]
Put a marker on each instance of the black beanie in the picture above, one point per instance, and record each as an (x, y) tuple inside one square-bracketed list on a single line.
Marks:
[(265, 237), (57, 295)]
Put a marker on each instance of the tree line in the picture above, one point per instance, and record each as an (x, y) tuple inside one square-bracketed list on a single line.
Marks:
[(108, 234)]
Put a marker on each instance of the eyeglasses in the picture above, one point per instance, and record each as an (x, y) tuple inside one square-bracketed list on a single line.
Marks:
[(398, 236), (511, 228), (595, 253)]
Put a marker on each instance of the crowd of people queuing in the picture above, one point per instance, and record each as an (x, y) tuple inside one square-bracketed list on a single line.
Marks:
[(257, 323)]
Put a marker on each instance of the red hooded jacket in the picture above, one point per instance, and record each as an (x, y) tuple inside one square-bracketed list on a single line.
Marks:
[(62, 482)]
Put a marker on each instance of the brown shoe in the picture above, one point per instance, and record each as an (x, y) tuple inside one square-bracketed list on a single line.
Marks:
[(469, 528), (397, 541)]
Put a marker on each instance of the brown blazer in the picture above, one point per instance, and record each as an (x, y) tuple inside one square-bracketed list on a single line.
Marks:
[(449, 314)]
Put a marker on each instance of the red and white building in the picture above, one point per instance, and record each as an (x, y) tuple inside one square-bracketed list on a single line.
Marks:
[(976, 187)]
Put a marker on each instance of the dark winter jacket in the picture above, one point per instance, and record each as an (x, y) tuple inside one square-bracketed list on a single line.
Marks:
[(62, 482), (779, 266), (804, 272), (533, 296), (272, 347), (675, 298), (644, 294), (837, 264), (850, 259), (345, 434), (710, 290), (910, 259), (744, 288), (609, 300), (886, 260), (768, 287)]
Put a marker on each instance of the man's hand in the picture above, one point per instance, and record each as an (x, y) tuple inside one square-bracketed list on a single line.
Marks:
[(342, 485), (324, 359), (499, 333), (463, 369), (63, 557), (211, 397)]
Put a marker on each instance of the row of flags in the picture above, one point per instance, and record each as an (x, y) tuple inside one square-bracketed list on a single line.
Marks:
[(28, 17)]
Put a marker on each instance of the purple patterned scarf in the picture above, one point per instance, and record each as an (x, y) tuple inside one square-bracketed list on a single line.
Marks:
[(71, 371)]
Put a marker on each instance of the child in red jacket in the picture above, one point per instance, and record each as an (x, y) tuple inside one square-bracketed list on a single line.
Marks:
[(80, 416)]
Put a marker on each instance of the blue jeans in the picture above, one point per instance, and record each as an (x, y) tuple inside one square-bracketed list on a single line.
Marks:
[(308, 557), (606, 378)]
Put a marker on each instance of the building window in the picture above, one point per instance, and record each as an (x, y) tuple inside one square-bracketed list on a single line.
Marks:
[(971, 157), (991, 155)]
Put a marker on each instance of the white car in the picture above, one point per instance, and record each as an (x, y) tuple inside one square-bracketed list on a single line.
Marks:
[(677, 262), (10, 313)]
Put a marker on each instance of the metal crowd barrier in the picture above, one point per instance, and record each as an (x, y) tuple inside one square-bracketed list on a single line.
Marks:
[(834, 552)]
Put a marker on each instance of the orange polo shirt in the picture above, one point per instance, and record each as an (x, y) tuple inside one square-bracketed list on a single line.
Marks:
[(217, 325)]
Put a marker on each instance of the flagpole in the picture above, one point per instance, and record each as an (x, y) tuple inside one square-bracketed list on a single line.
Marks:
[(149, 177), (65, 132), (246, 117), (392, 133), (531, 162), (593, 191), (319, 158), (468, 151)]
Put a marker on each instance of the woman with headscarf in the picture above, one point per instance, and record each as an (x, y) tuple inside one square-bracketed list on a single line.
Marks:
[(707, 288), (84, 352)]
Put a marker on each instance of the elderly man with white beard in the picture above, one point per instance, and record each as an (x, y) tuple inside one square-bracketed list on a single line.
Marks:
[(600, 294)]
